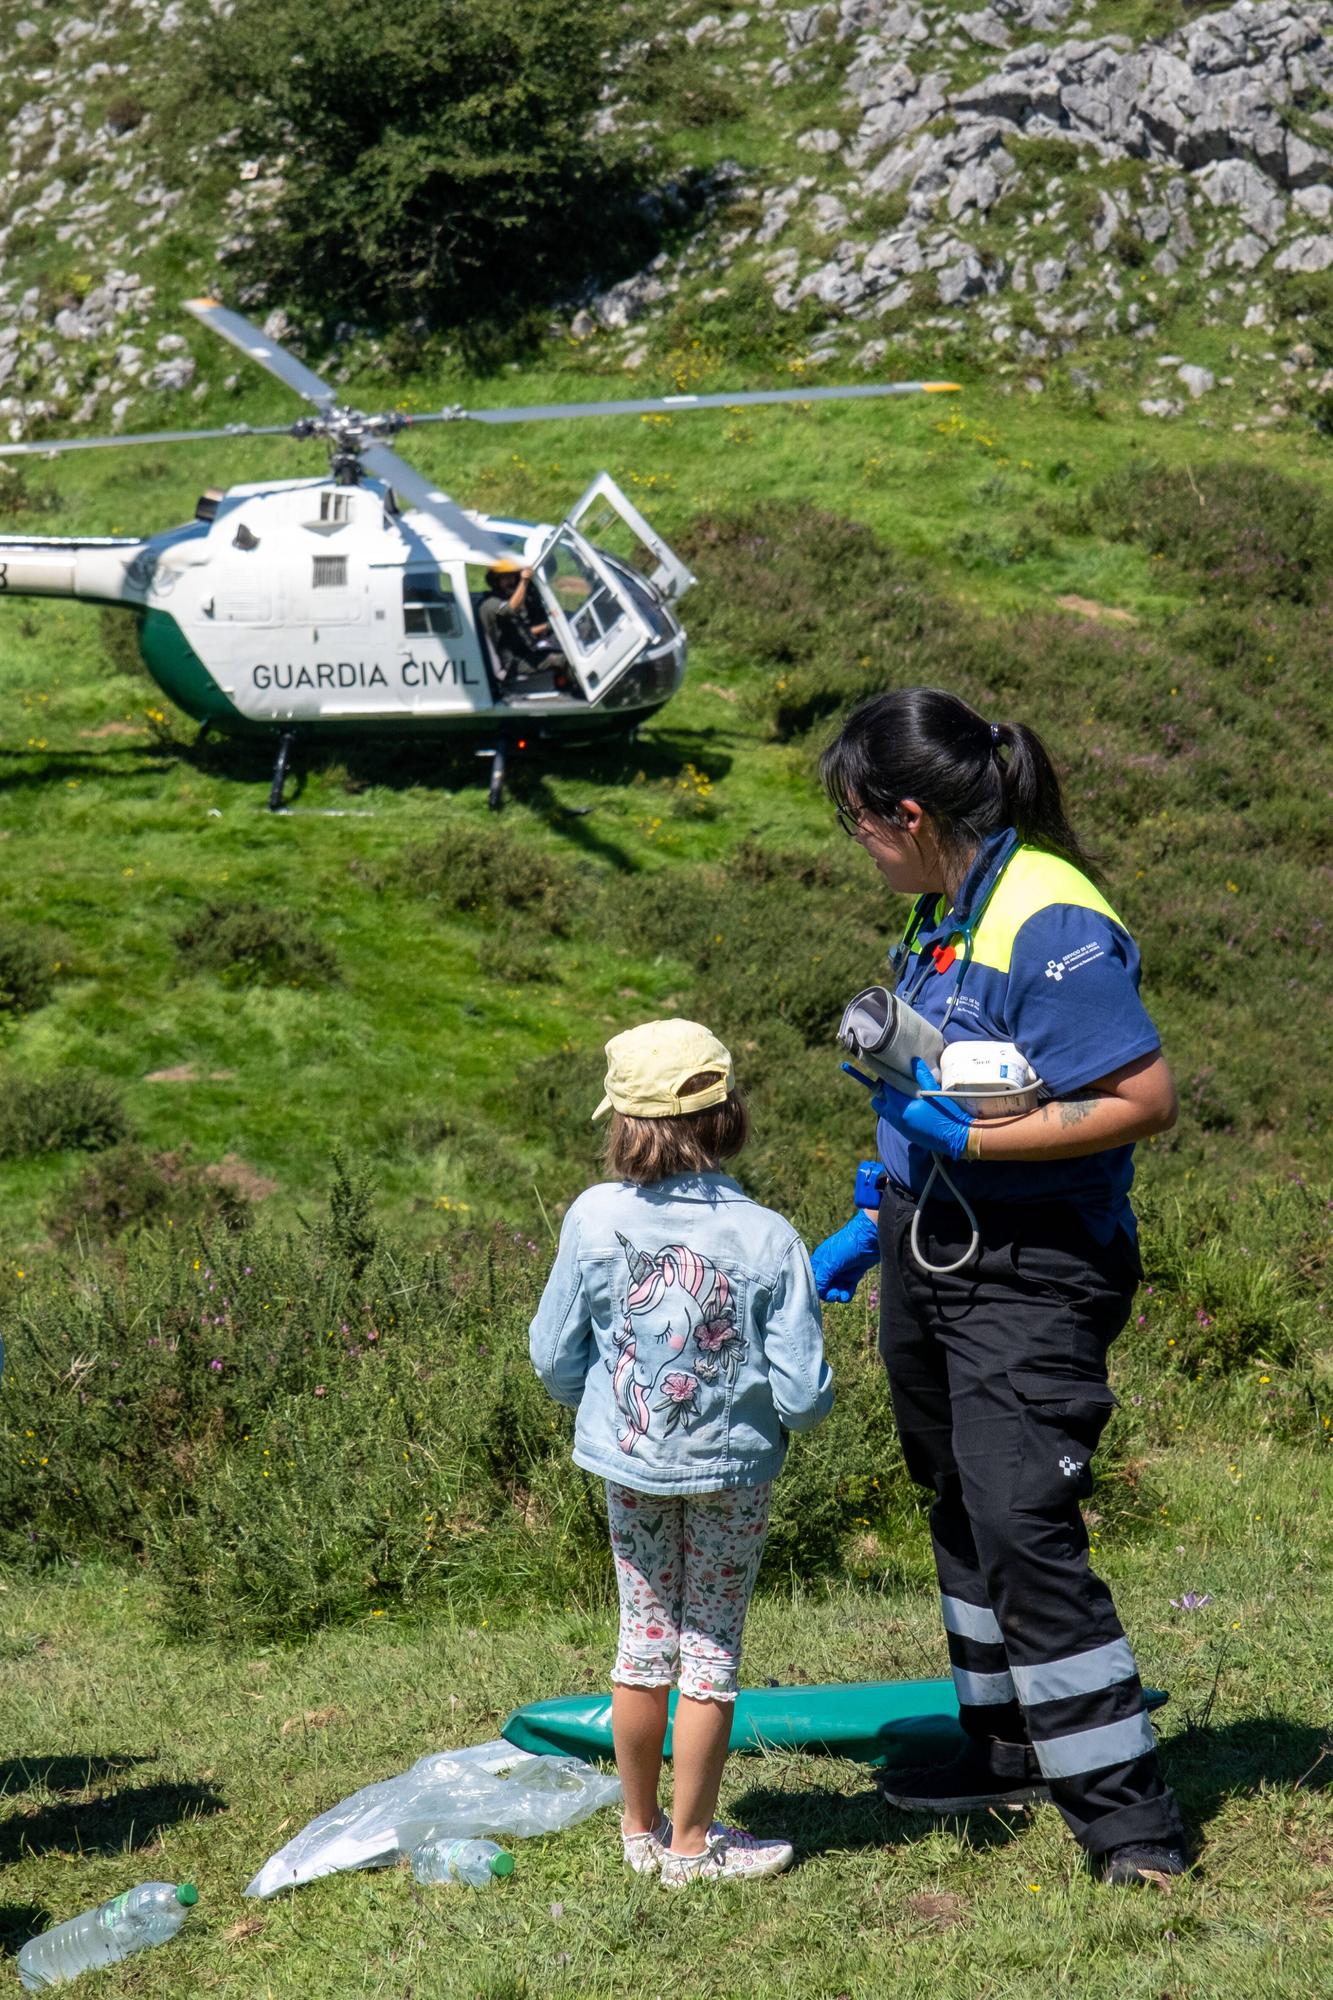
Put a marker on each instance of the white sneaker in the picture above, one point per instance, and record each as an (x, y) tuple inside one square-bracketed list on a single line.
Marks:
[(644, 1851), (730, 1856)]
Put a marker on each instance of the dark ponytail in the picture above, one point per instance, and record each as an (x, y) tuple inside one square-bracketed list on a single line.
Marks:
[(972, 776)]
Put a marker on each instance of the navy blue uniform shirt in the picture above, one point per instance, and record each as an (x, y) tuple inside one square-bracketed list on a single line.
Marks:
[(1052, 970)]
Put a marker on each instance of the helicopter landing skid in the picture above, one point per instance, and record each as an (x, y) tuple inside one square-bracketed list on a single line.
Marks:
[(499, 757), (286, 742)]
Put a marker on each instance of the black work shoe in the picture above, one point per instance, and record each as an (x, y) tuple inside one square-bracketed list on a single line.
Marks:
[(1140, 1862), (966, 1783)]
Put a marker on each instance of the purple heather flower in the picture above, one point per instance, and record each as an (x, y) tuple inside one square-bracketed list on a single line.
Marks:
[(216, 1364), (1191, 1601)]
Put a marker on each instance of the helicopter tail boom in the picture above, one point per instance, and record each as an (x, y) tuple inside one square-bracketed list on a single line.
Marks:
[(99, 568)]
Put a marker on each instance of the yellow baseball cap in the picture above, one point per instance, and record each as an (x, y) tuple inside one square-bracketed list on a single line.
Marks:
[(645, 1068)]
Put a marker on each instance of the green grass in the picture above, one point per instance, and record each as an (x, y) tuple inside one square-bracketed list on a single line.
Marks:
[(994, 1907), (115, 830)]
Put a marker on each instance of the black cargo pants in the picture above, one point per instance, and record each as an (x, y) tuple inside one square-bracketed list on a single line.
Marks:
[(998, 1378)]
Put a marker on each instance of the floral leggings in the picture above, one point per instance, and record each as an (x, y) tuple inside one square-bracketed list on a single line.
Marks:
[(685, 1568)]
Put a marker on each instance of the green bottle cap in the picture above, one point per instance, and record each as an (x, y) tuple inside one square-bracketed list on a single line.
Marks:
[(502, 1864), (187, 1894)]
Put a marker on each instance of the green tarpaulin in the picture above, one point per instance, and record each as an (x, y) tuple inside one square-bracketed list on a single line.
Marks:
[(875, 1722)]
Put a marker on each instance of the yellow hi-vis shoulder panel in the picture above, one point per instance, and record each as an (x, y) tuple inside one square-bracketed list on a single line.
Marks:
[(1032, 881)]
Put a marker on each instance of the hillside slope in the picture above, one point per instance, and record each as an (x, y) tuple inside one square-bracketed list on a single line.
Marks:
[(445, 985), (1132, 200)]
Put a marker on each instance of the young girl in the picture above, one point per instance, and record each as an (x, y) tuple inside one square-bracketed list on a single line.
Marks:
[(681, 1322)]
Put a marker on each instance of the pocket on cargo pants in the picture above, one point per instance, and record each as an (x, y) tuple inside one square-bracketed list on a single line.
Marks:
[(1062, 1420)]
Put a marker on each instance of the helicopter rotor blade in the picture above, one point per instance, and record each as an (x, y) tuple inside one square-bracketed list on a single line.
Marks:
[(416, 490), (49, 447), (254, 342), (669, 405)]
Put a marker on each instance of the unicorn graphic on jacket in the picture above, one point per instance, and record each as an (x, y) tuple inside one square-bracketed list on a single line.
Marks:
[(679, 1335)]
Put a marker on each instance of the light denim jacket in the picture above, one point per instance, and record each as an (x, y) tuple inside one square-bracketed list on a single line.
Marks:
[(681, 1322)]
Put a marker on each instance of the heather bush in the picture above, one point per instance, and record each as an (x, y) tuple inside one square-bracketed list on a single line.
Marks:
[(488, 872), (68, 1110), (250, 944), (289, 1441), (1245, 533), (26, 971), (129, 1188)]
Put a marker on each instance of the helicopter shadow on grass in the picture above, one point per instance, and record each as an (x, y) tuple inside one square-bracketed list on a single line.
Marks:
[(435, 765), (38, 771)]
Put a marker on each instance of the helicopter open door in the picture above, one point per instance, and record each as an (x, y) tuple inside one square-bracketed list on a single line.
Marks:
[(605, 516), (602, 631)]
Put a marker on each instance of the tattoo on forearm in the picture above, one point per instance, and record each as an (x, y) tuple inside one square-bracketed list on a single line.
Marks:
[(1073, 1110)]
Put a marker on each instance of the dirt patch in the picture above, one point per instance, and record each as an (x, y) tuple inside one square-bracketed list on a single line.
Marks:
[(1088, 607), (723, 694), (233, 1173), (313, 1718), (937, 1907), (187, 1073), (113, 729)]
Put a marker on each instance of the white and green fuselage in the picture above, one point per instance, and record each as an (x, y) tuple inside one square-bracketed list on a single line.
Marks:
[(313, 608)]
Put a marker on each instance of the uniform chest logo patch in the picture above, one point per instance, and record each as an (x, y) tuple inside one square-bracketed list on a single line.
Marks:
[(1071, 1466), (1074, 961)]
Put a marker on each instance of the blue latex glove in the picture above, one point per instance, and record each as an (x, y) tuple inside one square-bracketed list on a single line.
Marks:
[(936, 1123), (842, 1260)]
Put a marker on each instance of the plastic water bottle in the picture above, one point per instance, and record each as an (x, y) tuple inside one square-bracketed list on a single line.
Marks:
[(476, 1862), (148, 1914)]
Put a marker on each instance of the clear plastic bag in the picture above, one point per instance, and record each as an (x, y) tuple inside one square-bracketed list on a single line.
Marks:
[(491, 1788)]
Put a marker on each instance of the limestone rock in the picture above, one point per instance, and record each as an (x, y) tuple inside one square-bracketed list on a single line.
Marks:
[(1306, 253)]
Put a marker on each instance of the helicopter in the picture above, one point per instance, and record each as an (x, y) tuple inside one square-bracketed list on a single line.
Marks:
[(347, 605)]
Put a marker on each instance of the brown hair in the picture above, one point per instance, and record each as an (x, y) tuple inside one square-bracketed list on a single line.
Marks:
[(653, 1149)]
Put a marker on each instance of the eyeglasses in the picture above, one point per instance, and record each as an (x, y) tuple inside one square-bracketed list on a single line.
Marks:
[(849, 821)]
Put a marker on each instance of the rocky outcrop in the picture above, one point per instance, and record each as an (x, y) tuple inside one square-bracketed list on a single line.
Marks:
[(1208, 154)]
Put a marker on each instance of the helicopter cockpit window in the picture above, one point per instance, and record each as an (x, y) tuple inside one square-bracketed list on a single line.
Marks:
[(591, 609), (330, 573), (429, 606)]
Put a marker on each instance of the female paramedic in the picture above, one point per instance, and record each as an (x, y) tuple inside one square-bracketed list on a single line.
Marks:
[(996, 1316)]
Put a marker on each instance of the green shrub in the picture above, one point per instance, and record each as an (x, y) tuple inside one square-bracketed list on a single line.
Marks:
[(250, 944), (19, 498), (289, 1440), (130, 1188), (431, 164), (1245, 533), (487, 872), (1235, 1281), (517, 955), (827, 613), (1305, 298), (69, 1110), (118, 632), (26, 971)]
